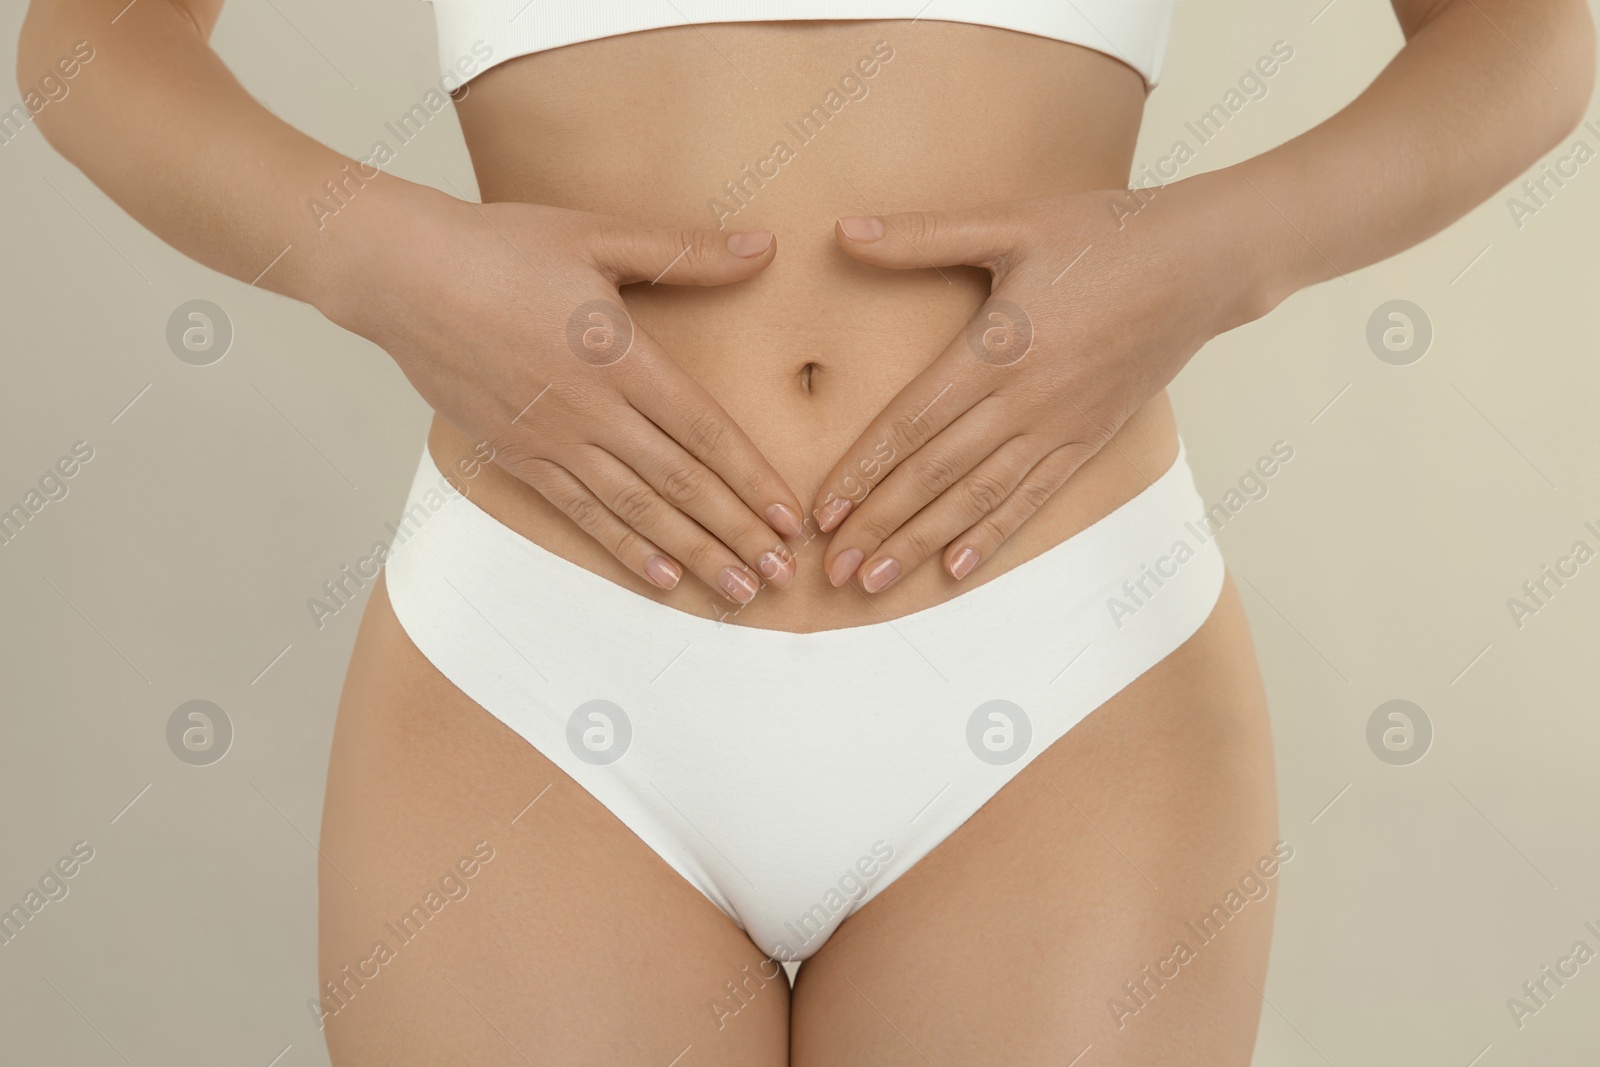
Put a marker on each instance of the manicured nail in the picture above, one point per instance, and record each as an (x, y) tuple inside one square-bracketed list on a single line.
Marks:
[(882, 573), (862, 227), (661, 571), (783, 520), (844, 565), (777, 568), (749, 243), (737, 584), (833, 513), (962, 565)]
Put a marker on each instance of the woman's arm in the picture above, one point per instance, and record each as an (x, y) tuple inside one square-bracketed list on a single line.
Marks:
[(1481, 89), (160, 124), (506, 317), (1094, 311)]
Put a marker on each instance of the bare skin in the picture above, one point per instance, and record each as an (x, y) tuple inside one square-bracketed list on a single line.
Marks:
[(803, 355), (1012, 941), (1005, 945), (640, 454)]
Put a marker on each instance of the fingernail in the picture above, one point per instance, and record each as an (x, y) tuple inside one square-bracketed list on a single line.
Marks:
[(737, 584), (962, 565), (776, 567), (833, 513), (749, 243), (862, 227), (885, 571), (844, 565), (783, 520), (661, 571)]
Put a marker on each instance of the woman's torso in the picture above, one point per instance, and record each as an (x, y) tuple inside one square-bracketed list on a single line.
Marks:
[(656, 126)]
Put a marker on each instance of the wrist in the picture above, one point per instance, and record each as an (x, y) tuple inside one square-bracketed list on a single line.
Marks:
[(366, 235), (1257, 257)]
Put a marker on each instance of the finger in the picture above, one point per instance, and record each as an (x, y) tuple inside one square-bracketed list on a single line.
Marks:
[(603, 334), (559, 486), (694, 489), (972, 498), (971, 547), (627, 253), (916, 481), (910, 239), (636, 504), (932, 400), (660, 390)]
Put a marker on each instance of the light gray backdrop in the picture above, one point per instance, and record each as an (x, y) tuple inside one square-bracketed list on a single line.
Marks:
[(1378, 566)]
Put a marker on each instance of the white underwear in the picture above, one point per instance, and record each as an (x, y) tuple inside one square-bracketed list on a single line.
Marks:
[(790, 777)]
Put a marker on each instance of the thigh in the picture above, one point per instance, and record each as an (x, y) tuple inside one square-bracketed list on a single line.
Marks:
[(1048, 923), (478, 906)]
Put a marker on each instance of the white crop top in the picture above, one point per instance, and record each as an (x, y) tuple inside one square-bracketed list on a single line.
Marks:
[(1134, 31)]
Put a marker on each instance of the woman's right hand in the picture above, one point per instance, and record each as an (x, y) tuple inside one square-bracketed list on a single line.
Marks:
[(507, 320)]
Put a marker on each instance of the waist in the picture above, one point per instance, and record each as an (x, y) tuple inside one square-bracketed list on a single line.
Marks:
[(779, 127), (1147, 571)]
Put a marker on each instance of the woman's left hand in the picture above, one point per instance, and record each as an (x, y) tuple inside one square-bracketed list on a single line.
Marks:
[(1094, 308)]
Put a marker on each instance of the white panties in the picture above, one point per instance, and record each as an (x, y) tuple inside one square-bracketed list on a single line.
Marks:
[(790, 777)]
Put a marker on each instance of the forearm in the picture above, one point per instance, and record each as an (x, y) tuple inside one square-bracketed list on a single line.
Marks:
[(1458, 113), (158, 122)]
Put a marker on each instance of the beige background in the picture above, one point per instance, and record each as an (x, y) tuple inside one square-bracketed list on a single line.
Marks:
[(1418, 500)]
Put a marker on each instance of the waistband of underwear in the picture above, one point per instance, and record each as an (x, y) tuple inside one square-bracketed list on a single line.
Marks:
[(1100, 579)]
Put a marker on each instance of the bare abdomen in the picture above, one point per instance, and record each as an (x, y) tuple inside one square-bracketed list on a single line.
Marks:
[(776, 126)]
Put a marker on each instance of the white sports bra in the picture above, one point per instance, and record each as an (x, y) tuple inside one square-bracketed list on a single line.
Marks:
[(1134, 31)]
